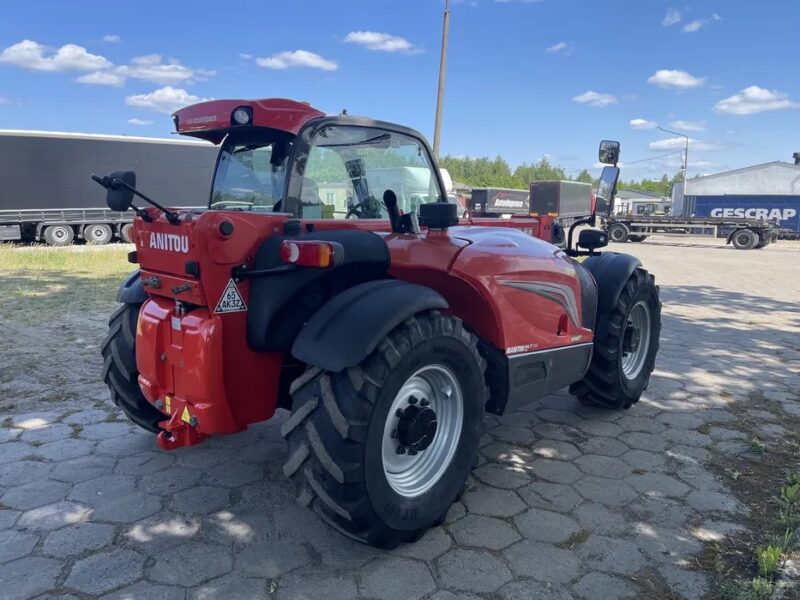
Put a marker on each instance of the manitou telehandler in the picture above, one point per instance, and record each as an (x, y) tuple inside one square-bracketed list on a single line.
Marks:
[(329, 276)]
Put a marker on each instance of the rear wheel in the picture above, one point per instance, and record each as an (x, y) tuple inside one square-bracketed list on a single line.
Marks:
[(764, 239), (59, 235), (126, 233), (625, 347), (381, 450), (98, 234), (637, 238), (744, 239), (119, 369), (618, 233)]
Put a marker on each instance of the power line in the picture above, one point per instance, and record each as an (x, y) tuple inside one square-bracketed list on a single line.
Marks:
[(625, 163)]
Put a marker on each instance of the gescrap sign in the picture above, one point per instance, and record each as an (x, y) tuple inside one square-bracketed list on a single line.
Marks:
[(783, 210)]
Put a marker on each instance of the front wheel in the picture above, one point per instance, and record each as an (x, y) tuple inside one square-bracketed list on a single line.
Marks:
[(383, 449), (618, 233), (625, 347)]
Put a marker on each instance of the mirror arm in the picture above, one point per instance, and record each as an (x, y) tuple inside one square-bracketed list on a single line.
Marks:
[(172, 217)]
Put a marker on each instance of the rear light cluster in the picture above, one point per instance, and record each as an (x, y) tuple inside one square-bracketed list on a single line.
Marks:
[(308, 253)]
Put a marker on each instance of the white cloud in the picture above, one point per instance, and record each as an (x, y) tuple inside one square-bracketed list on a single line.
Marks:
[(165, 100), (298, 58), (689, 125), (112, 39), (753, 100), (596, 99), (33, 56), (139, 122), (383, 42), (565, 48), (672, 17), (698, 24), (152, 68), (679, 143), (110, 78), (245, 56), (643, 124), (666, 78)]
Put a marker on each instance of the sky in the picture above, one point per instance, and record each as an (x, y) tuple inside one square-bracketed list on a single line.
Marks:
[(525, 78)]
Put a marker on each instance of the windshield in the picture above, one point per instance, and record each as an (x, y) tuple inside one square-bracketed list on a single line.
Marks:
[(350, 168), (251, 174)]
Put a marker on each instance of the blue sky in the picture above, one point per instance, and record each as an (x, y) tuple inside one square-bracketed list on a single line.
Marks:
[(524, 79)]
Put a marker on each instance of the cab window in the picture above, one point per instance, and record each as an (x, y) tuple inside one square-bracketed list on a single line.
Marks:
[(350, 168)]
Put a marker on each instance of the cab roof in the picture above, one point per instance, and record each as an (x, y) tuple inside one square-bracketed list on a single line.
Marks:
[(213, 120)]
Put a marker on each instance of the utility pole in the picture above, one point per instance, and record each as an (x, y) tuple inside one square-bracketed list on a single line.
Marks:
[(685, 158), (437, 127)]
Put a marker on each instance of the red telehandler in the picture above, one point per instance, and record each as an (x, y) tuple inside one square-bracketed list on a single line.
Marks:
[(329, 276)]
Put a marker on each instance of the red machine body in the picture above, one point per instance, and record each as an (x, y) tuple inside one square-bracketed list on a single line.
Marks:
[(195, 367)]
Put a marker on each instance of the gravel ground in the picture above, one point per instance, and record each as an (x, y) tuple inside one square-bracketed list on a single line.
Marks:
[(567, 502)]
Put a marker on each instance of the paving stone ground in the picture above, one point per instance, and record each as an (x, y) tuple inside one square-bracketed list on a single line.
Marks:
[(567, 502)]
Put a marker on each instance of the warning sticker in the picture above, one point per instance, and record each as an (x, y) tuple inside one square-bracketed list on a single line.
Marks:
[(185, 416), (231, 300)]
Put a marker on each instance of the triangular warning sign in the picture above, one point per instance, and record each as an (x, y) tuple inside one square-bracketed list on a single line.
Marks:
[(185, 416), (231, 300)]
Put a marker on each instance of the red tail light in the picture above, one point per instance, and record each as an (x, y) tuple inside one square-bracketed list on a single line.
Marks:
[(309, 253)]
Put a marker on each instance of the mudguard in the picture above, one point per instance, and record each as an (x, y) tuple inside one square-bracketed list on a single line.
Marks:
[(132, 290), (611, 271), (350, 325)]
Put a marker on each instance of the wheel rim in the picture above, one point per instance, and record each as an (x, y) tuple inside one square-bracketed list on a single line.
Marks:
[(98, 234), (422, 430), (60, 234), (636, 340), (617, 233)]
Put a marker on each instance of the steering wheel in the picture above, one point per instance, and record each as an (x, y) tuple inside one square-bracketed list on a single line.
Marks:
[(366, 209)]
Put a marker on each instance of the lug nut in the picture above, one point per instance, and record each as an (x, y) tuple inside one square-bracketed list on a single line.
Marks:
[(412, 452), (412, 400), (424, 402), (399, 412), (401, 449)]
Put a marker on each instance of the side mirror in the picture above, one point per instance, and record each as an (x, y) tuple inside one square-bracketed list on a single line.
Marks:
[(606, 189), (592, 239), (609, 152), (120, 197), (438, 215)]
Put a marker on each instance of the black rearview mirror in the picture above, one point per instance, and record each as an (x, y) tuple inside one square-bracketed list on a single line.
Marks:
[(609, 152), (592, 239), (119, 197), (606, 190)]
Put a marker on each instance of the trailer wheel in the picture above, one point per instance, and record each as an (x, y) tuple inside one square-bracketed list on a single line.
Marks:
[(618, 233), (381, 450), (764, 239), (126, 233), (625, 350), (59, 235), (744, 239), (98, 234), (119, 369), (637, 238)]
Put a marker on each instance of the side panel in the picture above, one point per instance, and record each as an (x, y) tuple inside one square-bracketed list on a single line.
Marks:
[(783, 209), (176, 174)]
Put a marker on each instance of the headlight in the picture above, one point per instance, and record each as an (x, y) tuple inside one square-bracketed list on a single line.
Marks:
[(241, 116)]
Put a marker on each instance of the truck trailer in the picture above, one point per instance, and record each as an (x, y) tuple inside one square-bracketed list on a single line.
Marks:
[(496, 202), (564, 200), (46, 193)]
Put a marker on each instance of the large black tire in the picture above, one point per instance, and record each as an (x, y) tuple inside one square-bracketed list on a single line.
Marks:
[(119, 369), (605, 383), (764, 239), (336, 433), (98, 233), (618, 233), (637, 238), (744, 239), (59, 235)]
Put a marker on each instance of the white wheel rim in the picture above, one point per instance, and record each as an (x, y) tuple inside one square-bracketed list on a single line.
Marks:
[(60, 234), (638, 328), (412, 474)]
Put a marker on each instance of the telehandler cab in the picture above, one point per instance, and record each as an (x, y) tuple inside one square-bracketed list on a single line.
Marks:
[(330, 277)]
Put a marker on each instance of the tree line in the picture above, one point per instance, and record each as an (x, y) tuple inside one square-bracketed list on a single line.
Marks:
[(495, 172)]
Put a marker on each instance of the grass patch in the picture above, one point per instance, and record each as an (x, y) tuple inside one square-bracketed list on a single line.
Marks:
[(38, 283)]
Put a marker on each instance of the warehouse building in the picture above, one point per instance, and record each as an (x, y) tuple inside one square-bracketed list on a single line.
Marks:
[(767, 191)]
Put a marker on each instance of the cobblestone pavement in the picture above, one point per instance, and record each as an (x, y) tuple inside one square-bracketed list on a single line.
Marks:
[(567, 502)]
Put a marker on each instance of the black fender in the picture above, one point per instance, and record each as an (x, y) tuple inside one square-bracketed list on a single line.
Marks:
[(611, 271), (132, 290), (350, 325)]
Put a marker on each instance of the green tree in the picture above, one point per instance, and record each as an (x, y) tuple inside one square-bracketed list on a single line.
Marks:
[(585, 177)]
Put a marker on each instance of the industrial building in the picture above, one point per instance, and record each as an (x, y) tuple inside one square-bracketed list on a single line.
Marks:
[(766, 191)]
